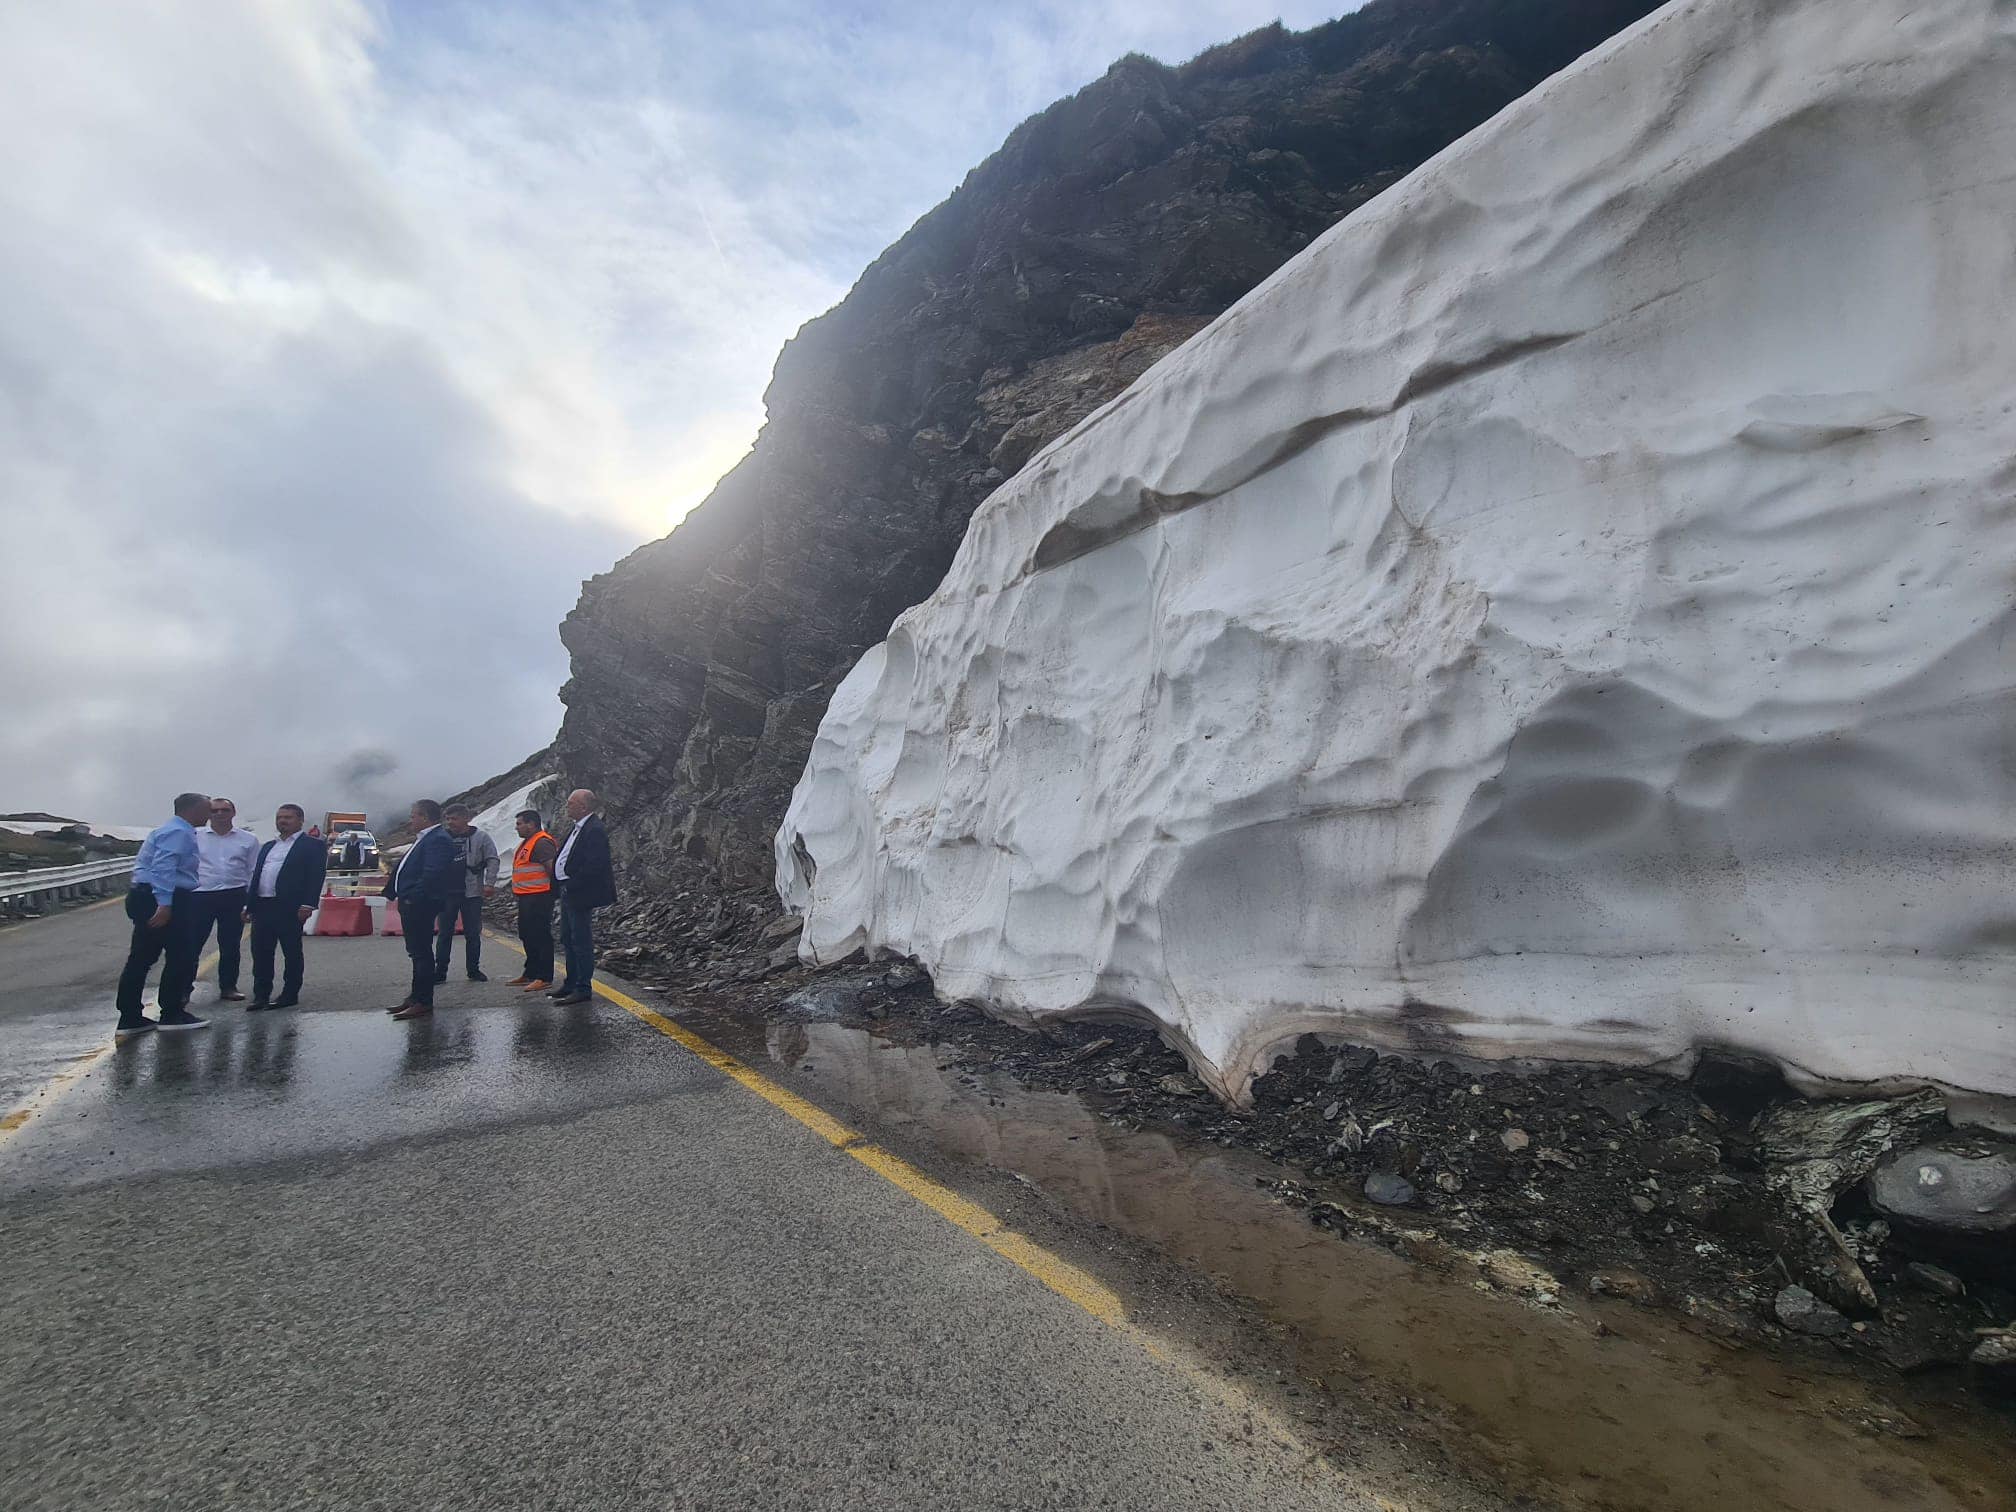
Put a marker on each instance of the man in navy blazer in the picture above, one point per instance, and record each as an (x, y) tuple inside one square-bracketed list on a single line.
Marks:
[(286, 884), (427, 876), (587, 881)]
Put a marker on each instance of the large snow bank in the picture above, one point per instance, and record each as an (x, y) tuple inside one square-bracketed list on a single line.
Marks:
[(1564, 612)]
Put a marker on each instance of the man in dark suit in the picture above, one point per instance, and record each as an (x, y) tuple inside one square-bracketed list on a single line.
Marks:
[(286, 884), (587, 881), (422, 886)]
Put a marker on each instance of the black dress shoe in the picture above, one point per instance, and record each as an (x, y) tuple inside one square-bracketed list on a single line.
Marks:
[(560, 992), (287, 1000), (440, 977), (257, 1004), (477, 976), (572, 998)]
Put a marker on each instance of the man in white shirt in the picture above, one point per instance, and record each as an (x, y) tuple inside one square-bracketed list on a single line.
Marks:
[(426, 878), (588, 882), (286, 888), (224, 856)]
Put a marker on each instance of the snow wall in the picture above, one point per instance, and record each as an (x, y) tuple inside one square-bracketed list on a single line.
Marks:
[(1563, 613), (500, 820)]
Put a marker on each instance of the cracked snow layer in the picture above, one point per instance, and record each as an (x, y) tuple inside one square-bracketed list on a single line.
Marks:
[(1564, 612)]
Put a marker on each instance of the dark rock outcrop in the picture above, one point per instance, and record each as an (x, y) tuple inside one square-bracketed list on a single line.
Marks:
[(1104, 232)]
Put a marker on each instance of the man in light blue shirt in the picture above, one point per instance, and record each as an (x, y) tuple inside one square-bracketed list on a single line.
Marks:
[(162, 905)]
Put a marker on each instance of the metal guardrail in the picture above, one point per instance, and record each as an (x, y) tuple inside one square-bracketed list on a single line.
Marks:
[(42, 879)]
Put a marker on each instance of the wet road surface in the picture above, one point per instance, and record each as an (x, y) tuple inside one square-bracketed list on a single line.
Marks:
[(521, 1255)]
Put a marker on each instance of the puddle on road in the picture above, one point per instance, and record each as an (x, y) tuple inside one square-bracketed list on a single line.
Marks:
[(1594, 1403)]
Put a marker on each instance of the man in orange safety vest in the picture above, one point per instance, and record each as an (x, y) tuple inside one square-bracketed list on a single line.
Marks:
[(532, 886)]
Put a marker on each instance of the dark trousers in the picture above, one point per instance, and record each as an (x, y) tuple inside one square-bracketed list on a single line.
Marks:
[(177, 940), (577, 935), (225, 912), (470, 912), (275, 922), (535, 933), (417, 917)]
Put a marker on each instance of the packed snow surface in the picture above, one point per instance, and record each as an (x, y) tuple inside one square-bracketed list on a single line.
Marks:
[(499, 821), (1565, 612)]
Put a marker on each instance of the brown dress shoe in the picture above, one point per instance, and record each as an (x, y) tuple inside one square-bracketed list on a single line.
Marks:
[(412, 1011), (398, 1008), (230, 997), (535, 985), (518, 981)]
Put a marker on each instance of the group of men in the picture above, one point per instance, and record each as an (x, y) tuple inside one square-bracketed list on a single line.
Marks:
[(451, 868), (199, 873)]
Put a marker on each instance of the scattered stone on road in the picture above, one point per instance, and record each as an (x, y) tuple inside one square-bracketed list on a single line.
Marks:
[(1941, 1283), (1802, 1312), (1963, 1188), (1389, 1189), (1997, 1350)]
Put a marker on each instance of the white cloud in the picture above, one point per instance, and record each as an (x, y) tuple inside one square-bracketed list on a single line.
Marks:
[(341, 341)]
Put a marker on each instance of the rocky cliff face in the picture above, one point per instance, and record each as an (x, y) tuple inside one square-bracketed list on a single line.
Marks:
[(1105, 232)]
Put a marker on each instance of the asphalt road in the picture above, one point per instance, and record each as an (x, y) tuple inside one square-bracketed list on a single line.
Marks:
[(518, 1255)]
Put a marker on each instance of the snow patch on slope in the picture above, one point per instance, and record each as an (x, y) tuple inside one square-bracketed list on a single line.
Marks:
[(499, 820), (1564, 612)]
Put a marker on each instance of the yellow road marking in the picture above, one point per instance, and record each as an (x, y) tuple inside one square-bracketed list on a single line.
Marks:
[(50, 1091), (1063, 1278)]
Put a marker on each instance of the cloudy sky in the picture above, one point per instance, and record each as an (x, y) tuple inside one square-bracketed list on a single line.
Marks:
[(341, 340)]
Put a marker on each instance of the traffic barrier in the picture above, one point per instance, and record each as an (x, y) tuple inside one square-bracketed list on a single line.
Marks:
[(343, 916)]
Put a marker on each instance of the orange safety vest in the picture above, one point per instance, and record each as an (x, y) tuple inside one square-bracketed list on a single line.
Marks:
[(527, 875)]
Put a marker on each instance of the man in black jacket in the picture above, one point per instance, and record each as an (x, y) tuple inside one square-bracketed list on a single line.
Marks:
[(587, 881), (286, 885), (427, 875)]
